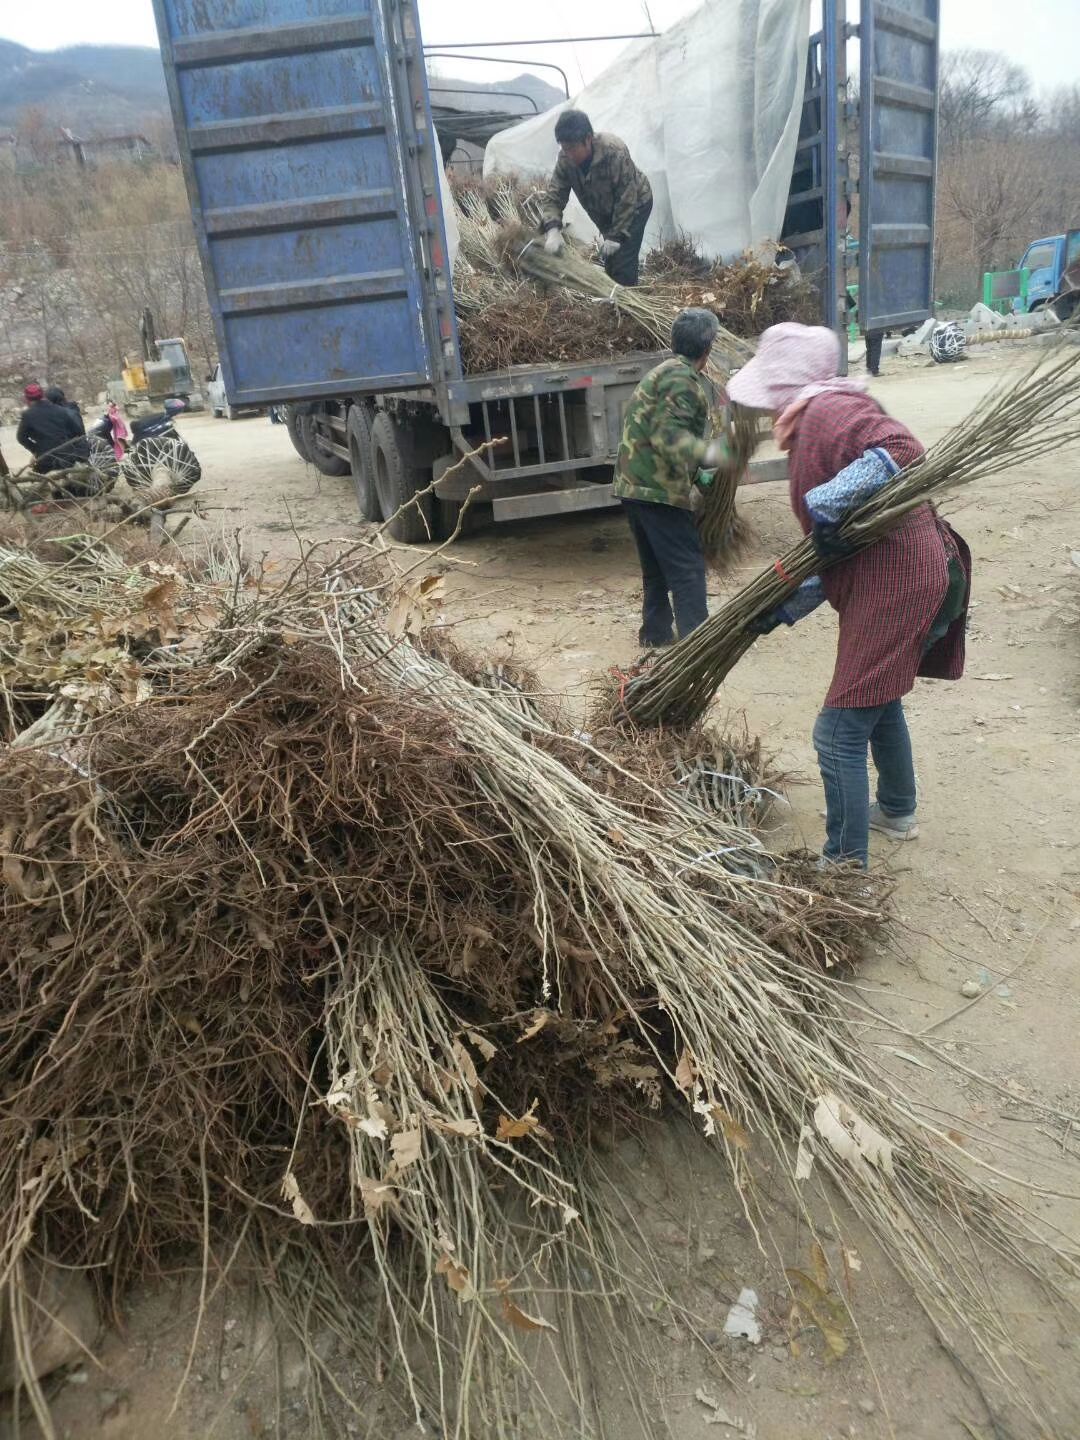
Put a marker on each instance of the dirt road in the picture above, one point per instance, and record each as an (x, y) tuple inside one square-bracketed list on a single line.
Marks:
[(990, 893)]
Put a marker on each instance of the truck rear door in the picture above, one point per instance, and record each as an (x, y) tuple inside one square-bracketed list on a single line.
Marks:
[(306, 140), (898, 44)]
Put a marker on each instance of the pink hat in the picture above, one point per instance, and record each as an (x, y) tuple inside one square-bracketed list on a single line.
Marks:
[(33, 392), (789, 358)]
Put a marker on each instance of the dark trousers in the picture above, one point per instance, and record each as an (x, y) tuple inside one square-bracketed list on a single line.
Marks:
[(624, 267), (874, 340), (841, 737), (672, 564)]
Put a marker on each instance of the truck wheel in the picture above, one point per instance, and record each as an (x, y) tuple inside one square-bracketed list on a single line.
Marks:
[(361, 461), (292, 425), (397, 482), (323, 460)]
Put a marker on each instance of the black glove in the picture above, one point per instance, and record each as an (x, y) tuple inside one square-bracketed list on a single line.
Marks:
[(829, 544), (767, 623)]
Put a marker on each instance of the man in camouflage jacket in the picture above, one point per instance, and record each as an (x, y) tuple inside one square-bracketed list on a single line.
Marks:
[(613, 192), (663, 455)]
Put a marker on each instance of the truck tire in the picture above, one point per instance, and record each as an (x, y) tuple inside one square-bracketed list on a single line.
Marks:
[(292, 425), (396, 483), (1065, 306), (361, 460), (323, 461)]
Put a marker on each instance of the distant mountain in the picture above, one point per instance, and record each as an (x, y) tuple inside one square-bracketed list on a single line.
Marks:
[(516, 95), (85, 87), (107, 88)]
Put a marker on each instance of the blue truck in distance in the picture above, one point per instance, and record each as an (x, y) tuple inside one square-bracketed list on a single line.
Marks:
[(311, 163), (1048, 262)]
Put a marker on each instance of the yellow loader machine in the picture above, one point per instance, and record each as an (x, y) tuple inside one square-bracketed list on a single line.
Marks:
[(162, 373)]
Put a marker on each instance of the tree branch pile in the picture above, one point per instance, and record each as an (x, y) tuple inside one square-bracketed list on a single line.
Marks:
[(322, 958), (518, 305)]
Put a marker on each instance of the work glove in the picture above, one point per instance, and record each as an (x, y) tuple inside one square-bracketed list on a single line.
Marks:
[(829, 544), (610, 248), (553, 242), (767, 623), (716, 452), (803, 601)]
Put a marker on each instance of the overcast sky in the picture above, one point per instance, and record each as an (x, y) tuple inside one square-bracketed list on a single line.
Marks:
[(1042, 35)]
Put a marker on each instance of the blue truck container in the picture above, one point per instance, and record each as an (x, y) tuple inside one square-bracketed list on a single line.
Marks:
[(311, 164)]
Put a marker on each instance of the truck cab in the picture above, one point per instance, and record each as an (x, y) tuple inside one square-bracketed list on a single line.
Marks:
[(1044, 260)]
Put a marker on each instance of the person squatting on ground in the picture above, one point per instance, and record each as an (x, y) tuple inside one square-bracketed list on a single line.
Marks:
[(663, 455), (902, 601), (54, 435), (613, 192)]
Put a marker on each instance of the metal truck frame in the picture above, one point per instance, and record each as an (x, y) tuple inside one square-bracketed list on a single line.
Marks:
[(310, 158)]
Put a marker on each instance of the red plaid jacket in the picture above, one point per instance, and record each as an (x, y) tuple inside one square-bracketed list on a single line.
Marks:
[(888, 596)]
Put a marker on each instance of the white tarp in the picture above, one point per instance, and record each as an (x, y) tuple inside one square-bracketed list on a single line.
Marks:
[(453, 237), (710, 111)]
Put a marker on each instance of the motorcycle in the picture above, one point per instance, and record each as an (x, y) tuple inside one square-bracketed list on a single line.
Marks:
[(152, 456)]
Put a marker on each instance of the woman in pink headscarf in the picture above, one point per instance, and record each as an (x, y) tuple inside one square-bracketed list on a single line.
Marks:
[(902, 601)]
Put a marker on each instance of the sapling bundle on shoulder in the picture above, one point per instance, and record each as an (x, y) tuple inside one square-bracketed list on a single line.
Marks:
[(1021, 420)]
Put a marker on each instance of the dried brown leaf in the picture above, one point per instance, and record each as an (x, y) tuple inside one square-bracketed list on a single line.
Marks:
[(406, 1146), (464, 1128), (457, 1276), (686, 1073), (527, 1124), (539, 1020), (466, 1067), (517, 1317), (483, 1044), (375, 1194), (290, 1189), (820, 1266)]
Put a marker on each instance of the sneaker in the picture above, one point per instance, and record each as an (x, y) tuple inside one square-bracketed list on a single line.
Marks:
[(896, 827)]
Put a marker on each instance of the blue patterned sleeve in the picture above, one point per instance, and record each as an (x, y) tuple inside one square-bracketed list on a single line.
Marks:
[(828, 504), (806, 599)]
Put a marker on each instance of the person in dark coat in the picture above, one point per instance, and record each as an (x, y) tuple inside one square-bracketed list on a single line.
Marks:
[(902, 601), (54, 436), (57, 396)]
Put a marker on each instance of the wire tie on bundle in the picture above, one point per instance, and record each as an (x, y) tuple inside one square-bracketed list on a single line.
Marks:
[(753, 792), (755, 844), (778, 566)]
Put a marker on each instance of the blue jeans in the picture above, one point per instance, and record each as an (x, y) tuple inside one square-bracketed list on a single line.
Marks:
[(841, 736), (672, 562)]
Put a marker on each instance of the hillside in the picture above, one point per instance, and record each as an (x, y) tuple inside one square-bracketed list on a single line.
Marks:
[(91, 87), (99, 88)]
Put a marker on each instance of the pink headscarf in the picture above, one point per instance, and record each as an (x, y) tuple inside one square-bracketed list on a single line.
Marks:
[(793, 364)]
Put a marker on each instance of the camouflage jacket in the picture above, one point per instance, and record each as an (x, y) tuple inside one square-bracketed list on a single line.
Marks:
[(611, 190), (663, 438)]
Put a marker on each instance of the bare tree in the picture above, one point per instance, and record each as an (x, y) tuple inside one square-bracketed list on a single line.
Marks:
[(980, 90), (1063, 114), (35, 135), (989, 193)]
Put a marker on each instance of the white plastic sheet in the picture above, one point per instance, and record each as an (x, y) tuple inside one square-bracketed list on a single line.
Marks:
[(710, 111), (453, 236)]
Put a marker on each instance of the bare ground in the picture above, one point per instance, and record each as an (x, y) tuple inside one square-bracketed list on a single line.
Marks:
[(991, 893)]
